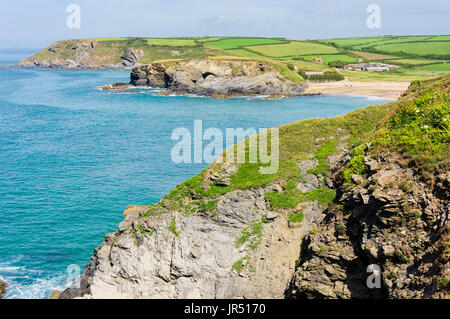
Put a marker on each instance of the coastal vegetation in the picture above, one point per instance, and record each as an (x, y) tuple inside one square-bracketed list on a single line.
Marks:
[(415, 57)]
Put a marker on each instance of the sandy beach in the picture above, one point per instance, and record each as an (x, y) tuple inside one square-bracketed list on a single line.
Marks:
[(381, 89)]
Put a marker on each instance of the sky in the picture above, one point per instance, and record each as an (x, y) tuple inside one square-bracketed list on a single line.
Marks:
[(36, 24)]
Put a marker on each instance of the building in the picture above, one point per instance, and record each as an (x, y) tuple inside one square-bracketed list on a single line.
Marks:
[(369, 67), (313, 73)]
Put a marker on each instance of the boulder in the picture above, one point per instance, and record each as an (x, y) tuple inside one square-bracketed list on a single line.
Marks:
[(3, 286)]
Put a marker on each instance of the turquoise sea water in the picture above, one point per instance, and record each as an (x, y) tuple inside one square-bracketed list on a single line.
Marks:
[(73, 157)]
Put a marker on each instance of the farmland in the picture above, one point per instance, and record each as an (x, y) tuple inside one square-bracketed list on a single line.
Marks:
[(417, 57)]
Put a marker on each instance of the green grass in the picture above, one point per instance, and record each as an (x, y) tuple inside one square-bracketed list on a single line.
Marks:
[(419, 127), (172, 228), (439, 38), (235, 43), (171, 42), (251, 234), (294, 48), (351, 42), (356, 165), (436, 67), (331, 58), (391, 40), (416, 48), (412, 61), (244, 52), (296, 217), (239, 264)]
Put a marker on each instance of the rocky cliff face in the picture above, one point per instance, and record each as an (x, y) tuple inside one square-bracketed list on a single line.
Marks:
[(241, 250), (78, 54), (214, 77), (394, 218)]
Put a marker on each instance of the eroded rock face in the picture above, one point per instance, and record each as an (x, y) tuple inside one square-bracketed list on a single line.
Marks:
[(391, 218), (170, 255), (216, 78)]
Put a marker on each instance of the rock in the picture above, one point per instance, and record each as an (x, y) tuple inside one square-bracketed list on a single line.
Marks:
[(3, 286), (55, 294), (306, 165), (376, 229), (218, 78), (271, 215), (193, 255), (310, 183), (131, 57)]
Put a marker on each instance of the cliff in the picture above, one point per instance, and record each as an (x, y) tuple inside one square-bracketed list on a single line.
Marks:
[(110, 53), (370, 187), (218, 77)]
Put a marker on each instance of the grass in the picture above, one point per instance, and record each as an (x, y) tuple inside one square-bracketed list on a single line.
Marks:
[(356, 165), (416, 48), (330, 58), (171, 42), (371, 56), (436, 67), (419, 127), (412, 61), (172, 228), (251, 234), (296, 217), (235, 43), (239, 264), (294, 48)]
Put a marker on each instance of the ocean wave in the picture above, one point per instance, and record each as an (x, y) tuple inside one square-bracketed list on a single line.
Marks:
[(26, 283)]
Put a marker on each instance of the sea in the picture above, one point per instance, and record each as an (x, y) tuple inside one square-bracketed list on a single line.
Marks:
[(72, 157)]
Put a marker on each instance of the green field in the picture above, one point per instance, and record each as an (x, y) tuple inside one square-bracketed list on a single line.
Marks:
[(235, 43), (351, 42), (440, 38), (391, 40), (171, 42), (436, 67), (294, 48), (331, 58), (244, 52), (416, 48), (412, 61)]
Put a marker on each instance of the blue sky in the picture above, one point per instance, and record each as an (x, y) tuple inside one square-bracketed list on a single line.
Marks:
[(36, 24)]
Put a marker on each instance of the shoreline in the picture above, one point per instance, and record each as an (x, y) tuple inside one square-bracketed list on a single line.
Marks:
[(380, 89), (369, 89)]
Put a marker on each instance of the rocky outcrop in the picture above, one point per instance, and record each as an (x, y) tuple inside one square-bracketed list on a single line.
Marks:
[(3, 287), (392, 218), (83, 54), (168, 255), (217, 78)]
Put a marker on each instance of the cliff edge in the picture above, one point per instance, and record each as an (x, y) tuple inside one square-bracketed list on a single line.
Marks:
[(367, 188)]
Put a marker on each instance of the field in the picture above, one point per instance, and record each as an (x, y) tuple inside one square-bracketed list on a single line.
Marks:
[(416, 48), (294, 48), (417, 57), (235, 43), (171, 42), (330, 58), (371, 56), (436, 67)]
